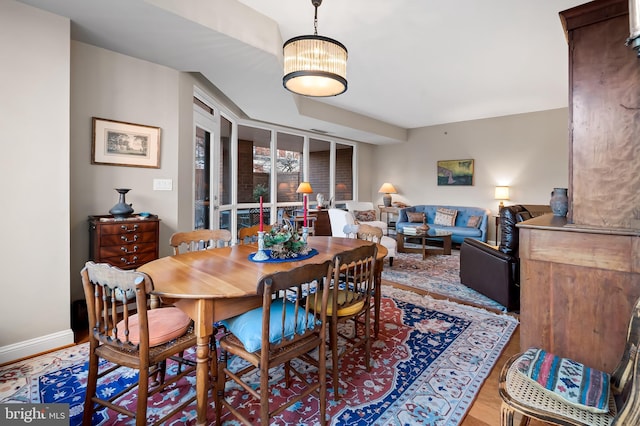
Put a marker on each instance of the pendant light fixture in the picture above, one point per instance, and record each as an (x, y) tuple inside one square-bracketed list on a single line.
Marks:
[(315, 65)]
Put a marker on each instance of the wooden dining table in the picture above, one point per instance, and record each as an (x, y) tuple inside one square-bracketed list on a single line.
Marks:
[(215, 284)]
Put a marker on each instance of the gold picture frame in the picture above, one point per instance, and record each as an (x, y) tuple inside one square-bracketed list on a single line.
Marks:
[(455, 172), (118, 143)]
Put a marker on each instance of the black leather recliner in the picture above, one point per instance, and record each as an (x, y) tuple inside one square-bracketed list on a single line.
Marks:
[(495, 271)]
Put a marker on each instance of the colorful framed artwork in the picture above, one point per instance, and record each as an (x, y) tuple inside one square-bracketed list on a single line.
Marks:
[(455, 172), (117, 143)]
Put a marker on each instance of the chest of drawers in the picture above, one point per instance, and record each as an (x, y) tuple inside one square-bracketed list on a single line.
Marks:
[(125, 243)]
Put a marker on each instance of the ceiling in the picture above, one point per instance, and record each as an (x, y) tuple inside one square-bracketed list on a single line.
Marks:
[(412, 63)]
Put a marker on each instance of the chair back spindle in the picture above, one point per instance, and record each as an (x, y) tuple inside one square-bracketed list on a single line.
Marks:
[(199, 239)]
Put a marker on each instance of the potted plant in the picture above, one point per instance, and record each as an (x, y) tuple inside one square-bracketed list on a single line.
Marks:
[(260, 190)]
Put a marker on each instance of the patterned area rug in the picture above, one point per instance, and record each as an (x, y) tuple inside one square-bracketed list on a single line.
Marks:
[(437, 274), (428, 363)]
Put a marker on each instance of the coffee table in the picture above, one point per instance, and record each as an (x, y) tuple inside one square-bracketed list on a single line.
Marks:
[(428, 238)]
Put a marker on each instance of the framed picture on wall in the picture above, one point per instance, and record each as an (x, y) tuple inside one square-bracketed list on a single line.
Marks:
[(455, 172), (117, 143)]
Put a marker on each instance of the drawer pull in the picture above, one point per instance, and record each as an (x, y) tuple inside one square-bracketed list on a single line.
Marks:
[(126, 250), (126, 240), (126, 262), (126, 228)]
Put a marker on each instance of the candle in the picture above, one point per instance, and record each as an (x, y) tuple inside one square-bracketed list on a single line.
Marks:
[(261, 222), (304, 210)]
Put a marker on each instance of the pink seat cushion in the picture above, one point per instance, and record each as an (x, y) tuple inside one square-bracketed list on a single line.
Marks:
[(165, 324)]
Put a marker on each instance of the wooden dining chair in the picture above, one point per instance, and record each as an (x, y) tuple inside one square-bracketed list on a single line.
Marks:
[(199, 239), (284, 328), (350, 300), (619, 404), (143, 340), (250, 235)]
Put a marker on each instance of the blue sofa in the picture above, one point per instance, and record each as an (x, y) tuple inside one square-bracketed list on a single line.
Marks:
[(460, 230)]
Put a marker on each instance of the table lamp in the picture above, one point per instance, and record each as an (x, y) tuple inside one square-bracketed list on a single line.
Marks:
[(304, 188), (501, 193), (387, 189)]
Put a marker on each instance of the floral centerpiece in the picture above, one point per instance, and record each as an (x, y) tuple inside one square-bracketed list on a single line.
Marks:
[(284, 242)]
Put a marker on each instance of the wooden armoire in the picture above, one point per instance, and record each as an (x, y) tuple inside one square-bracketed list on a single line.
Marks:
[(580, 275)]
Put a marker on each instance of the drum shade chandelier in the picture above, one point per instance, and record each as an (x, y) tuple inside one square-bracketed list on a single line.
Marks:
[(315, 65)]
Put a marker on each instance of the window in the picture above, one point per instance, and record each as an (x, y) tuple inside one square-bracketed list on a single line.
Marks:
[(319, 168), (289, 166), (344, 173), (254, 174)]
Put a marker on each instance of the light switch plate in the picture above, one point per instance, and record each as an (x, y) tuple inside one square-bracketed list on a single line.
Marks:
[(162, 184)]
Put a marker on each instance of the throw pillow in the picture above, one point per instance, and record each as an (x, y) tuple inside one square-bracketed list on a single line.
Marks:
[(365, 215), (566, 380), (445, 217), (474, 221), (415, 217)]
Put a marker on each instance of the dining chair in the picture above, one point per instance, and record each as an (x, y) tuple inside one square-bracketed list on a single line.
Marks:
[(199, 239), (525, 389), (284, 328), (349, 300), (250, 235), (143, 340), (298, 223)]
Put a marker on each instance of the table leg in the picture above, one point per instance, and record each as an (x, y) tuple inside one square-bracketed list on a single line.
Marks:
[(424, 248), (202, 379), (201, 311), (446, 245), (377, 295)]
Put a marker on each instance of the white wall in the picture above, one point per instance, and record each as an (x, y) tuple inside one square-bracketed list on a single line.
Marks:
[(34, 169), (527, 152), (110, 85)]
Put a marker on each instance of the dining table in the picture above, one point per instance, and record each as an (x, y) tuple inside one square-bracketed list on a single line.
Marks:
[(219, 283)]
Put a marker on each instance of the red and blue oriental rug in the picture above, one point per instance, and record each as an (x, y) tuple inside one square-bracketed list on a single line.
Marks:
[(428, 364)]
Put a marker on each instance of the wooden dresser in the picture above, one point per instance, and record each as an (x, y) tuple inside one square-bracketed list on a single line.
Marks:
[(125, 243), (322, 225)]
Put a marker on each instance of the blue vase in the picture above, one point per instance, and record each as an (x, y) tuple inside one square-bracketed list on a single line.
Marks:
[(559, 202), (122, 209)]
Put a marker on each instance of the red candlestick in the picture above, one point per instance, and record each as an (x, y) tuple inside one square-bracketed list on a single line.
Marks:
[(305, 210), (261, 224)]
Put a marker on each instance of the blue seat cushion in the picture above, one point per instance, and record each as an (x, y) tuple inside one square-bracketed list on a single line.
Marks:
[(247, 327)]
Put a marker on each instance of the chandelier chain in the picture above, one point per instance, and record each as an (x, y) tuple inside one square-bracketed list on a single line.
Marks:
[(315, 19)]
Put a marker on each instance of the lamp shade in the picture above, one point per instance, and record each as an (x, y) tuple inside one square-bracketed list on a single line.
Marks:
[(387, 188), (501, 193), (304, 188)]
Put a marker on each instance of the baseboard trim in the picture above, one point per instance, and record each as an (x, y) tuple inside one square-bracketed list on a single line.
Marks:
[(35, 346)]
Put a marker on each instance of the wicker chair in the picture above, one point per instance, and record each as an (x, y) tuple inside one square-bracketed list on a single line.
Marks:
[(520, 395)]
